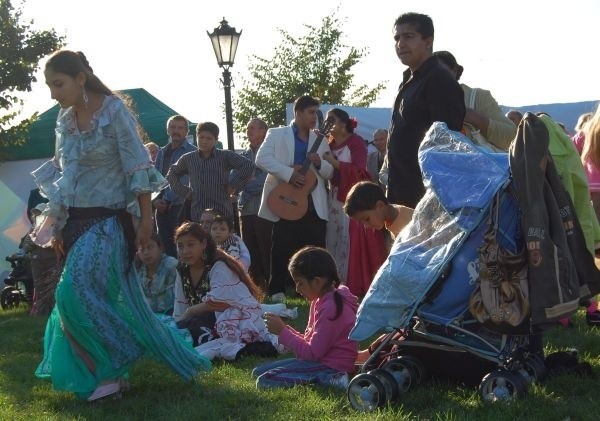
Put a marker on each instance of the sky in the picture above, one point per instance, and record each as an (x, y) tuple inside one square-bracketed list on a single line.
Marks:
[(525, 52)]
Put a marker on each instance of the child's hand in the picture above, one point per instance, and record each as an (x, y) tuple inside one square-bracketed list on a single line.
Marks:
[(274, 323)]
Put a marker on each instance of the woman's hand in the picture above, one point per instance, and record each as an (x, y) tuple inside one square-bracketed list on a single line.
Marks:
[(204, 307), (144, 229), (217, 305), (193, 311), (315, 159), (329, 157), (274, 323)]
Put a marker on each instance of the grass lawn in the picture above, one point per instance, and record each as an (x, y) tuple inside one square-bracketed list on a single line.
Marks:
[(228, 392)]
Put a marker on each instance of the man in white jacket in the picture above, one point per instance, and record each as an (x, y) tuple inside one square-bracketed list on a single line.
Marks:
[(284, 148)]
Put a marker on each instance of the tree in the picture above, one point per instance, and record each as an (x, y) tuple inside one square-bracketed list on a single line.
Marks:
[(22, 48), (317, 64)]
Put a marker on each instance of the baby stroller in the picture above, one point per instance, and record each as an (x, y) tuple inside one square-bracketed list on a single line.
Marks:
[(421, 294), (18, 284)]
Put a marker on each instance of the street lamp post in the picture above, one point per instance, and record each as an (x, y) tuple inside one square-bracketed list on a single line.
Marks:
[(225, 40)]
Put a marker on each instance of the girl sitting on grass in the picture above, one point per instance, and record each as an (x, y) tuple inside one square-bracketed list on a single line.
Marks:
[(324, 354), (214, 297), (157, 273)]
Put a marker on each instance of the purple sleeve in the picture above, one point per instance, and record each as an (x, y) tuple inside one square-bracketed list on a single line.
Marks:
[(318, 340)]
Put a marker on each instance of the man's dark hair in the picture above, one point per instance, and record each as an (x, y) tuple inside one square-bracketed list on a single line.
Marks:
[(208, 126), (363, 196), (422, 23), (304, 102), (220, 219)]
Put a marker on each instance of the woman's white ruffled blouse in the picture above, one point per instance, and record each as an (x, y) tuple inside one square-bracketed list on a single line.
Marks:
[(106, 166)]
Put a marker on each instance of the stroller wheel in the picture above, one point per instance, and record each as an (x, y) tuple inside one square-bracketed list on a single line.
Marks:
[(403, 372), (535, 367), (10, 297), (418, 368), (502, 385), (389, 383), (366, 392)]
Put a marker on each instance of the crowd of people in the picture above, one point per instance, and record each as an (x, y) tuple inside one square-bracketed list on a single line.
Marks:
[(142, 230)]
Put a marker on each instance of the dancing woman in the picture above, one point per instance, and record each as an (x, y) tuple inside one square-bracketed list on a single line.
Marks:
[(101, 176)]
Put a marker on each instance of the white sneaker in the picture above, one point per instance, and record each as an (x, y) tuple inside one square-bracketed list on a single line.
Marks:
[(340, 381), (278, 297)]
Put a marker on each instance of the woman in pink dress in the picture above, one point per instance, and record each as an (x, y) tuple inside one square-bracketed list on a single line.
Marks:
[(358, 251)]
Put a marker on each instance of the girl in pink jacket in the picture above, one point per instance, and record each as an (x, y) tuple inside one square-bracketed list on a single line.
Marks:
[(324, 354)]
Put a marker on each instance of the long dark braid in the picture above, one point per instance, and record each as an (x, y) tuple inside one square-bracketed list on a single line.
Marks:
[(310, 262)]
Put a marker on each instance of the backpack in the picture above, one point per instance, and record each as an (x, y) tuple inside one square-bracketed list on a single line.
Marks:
[(500, 298)]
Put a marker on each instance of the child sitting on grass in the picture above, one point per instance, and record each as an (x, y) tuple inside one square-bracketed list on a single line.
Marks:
[(324, 354), (207, 217), (221, 230), (157, 273), (215, 299)]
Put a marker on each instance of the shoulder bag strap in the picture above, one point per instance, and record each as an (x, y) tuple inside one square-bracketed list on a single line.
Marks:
[(472, 96)]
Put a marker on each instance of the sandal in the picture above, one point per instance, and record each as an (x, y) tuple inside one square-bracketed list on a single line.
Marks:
[(106, 390)]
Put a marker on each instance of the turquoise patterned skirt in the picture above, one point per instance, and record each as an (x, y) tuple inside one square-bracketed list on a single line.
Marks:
[(100, 308)]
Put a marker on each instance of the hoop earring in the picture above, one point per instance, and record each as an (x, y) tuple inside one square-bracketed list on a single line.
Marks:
[(85, 98)]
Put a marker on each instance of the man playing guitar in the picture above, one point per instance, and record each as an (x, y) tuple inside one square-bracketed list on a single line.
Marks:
[(284, 148)]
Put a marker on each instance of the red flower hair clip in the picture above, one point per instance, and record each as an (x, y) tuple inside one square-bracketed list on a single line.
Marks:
[(353, 122)]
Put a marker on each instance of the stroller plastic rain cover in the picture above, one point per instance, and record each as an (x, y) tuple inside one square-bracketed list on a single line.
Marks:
[(460, 180)]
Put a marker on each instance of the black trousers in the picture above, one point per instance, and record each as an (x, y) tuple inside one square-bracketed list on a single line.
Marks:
[(202, 327), (257, 233), (288, 238)]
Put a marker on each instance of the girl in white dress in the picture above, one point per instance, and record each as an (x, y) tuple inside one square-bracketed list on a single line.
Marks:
[(214, 297)]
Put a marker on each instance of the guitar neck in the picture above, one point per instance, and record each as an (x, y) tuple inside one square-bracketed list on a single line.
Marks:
[(313, 149)]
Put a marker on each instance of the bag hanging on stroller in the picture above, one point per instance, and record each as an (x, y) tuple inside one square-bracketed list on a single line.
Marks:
[(501, 294)]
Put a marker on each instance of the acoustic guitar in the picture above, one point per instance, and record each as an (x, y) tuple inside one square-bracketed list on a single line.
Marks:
[(290, 202)]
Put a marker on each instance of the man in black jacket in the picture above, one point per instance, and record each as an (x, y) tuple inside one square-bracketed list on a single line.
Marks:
[(428, 93)]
